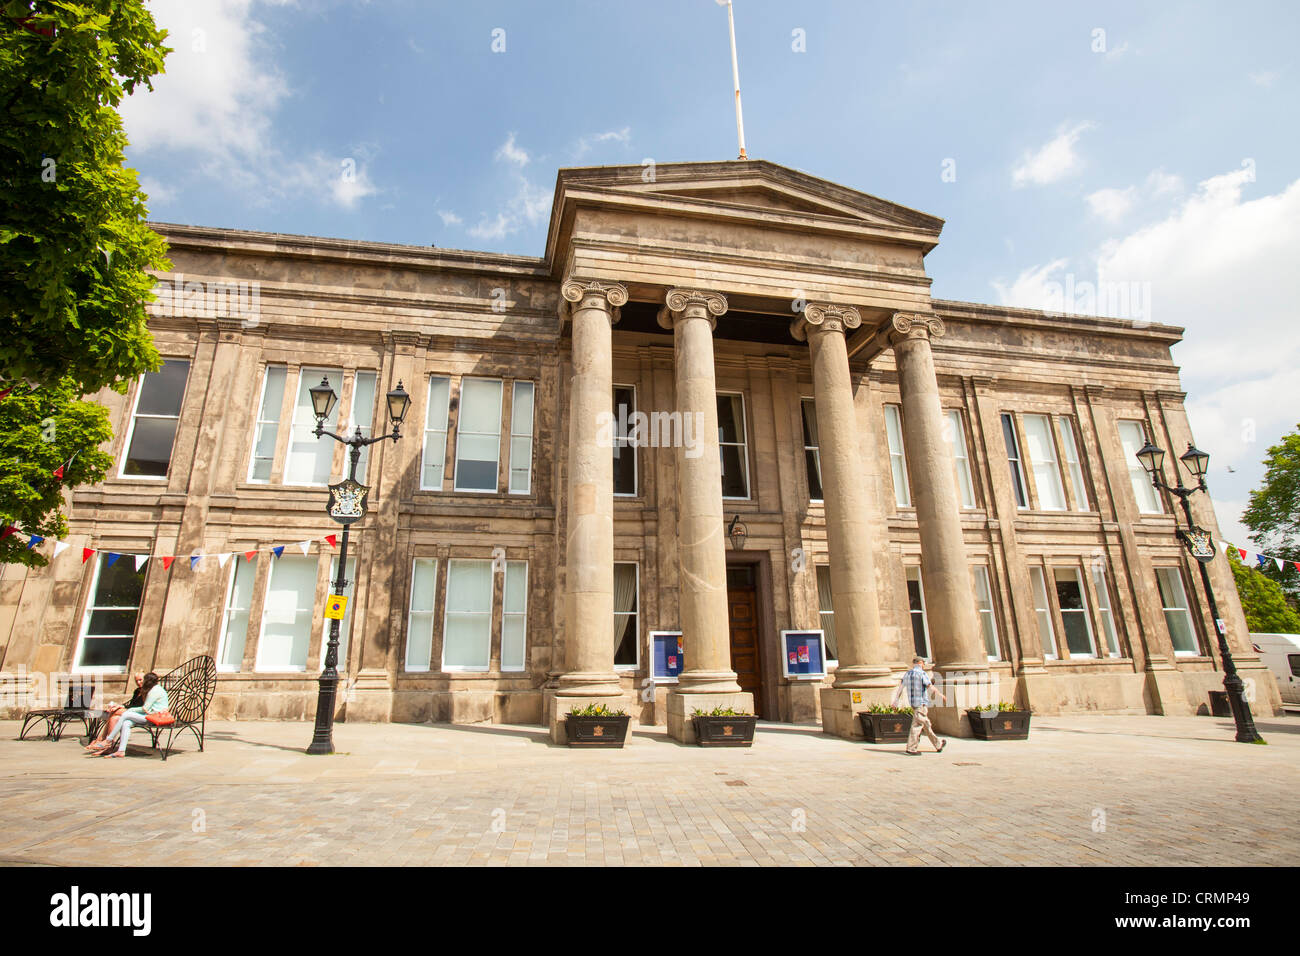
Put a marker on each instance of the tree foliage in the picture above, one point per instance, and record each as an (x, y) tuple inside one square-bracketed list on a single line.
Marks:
[(1274, 512), (1265, 604), (39, 431), (74, 246)]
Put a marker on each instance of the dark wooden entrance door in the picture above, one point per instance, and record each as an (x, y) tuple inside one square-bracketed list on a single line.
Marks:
[(742, 614)]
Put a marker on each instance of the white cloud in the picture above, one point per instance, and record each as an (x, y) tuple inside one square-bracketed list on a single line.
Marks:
[(157, 191), (493, 228), (586, 143), (1223, 267), (1161, 183), (512, 153), (1055, 160), (1265, 78), (449, 218), (1112, 205)]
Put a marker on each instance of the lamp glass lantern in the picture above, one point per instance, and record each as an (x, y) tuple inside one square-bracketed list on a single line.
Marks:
[(398, 404), (1152, 459), (322, 399), (1196, 461), (737, 532)]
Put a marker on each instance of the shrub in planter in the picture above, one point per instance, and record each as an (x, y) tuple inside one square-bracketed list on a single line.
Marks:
[(596, 725), (886, 724), (1003, 721), (723, 727)]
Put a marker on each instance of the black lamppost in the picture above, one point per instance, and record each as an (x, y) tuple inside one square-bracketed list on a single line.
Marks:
[(1201, 546), (347, 503)]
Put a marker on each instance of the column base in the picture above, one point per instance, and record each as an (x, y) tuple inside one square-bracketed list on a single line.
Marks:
[(555, 708), (950, 721), (841, 706), (1168, 690), (366, 698), (682, 703)]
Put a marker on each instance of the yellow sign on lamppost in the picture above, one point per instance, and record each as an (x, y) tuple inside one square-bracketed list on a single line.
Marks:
[(336, 606)]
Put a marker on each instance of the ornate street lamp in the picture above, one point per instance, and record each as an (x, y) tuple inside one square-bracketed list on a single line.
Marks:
[(1201, 546), (737, 532), (347, 504)]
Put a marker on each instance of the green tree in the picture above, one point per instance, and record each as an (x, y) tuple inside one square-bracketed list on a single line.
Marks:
[(1274, 512), (40, 431), (1265, 604), (74, 246)]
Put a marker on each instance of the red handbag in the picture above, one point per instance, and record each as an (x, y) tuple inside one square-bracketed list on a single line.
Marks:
[(162, 718)]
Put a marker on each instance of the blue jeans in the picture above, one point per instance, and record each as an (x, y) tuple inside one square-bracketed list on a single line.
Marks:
[(123, 728)]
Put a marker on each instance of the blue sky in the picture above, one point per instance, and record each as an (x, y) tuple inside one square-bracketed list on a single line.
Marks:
[(1153, 147)]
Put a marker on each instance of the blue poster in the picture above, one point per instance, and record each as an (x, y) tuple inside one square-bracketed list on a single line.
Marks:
[(669, 659), (802, 652)]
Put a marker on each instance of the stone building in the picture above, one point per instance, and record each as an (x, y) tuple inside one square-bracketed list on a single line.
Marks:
[(723, 403)]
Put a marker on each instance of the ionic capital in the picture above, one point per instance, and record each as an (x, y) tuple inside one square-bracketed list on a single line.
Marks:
[(825, 317), (915, 325), (592, 294), (692, 304)]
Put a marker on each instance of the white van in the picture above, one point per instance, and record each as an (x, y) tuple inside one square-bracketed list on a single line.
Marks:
[(1281, 654)]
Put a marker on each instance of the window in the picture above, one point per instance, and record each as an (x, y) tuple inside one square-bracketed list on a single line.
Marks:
[(362, 417), (287, 614), (419, 628), (1074, 612), (435, 434), (311, 459), (894, 432), (1177, 616), (1102, 590), (267, 429), (514, 616), (1132, 437), (625, 453), (1070, 448), (812, 450), (626, 619), (731, 446), (478, 435), (109, 626), (984, 604), (1018, 482), (153, 425), (961, 458), (916, 605), (521, 439), (234, 624), (827, 611), (467, 629), (1042, 459), (1043, 611), (345, 625)]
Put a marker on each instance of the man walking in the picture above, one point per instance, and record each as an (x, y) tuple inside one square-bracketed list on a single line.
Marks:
[(916, 682)]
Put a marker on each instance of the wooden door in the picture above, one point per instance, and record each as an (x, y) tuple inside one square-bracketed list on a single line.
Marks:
[(742, 614)]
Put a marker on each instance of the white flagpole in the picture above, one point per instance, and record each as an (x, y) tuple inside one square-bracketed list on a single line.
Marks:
[(735, 76)]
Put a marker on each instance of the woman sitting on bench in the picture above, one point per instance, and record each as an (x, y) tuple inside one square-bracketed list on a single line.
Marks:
[(155, 701), (115, 711)]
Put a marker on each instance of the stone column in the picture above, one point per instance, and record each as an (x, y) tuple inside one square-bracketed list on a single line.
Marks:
[(863, 677), (589, 549), (949, 598), (708, 679)]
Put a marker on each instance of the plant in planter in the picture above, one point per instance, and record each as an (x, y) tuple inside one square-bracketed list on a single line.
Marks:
[(886, 724), (1000, 721), (723, 727), (596, 725)]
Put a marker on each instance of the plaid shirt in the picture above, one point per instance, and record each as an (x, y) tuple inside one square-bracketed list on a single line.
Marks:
[(917, 684)]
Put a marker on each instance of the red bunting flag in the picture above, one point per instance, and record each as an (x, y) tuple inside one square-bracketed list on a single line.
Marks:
[(1297, 565), (167, 562), (6, 531), (332, 539), (249, 555), (1242, 552), (86, 553), (58, 473)]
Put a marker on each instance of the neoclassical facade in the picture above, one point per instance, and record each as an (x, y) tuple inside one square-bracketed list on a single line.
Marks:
[(717, 447)]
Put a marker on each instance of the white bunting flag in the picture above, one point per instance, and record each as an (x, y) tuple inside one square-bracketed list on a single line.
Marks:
[(1281, 565), (59, 547), (223, 558), (305, 545), (1223, 547), (140, 560)]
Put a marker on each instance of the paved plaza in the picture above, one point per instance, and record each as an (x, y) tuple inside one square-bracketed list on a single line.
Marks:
[(1083, 790)]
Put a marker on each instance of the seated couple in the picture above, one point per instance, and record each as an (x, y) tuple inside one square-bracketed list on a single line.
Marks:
[(150, 698)]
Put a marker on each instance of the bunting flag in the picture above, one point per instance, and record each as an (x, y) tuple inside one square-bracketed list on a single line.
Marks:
[(1259, 559), (35, 540), (60, 547), (1242, 552), (250, 555), (1281, 565), (113, 558), (332, 540), (58, 473), (305, 545), (1223, 548), (140, 560), (6, 531), (167, 561), (223, 558), (194, 560), (86, 553), (278, 550)]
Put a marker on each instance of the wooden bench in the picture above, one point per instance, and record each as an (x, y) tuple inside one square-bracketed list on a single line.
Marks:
[(190, 689)]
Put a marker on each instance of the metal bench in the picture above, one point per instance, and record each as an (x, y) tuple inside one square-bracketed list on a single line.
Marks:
[(190, 689), (55, 719)]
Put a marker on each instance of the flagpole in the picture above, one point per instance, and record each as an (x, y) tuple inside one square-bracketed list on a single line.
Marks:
[(735, 76)]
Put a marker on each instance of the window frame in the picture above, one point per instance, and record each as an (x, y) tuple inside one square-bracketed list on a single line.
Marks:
[(805, 401), (822, 613), (903, 500), (1051, 466), (224, 639), (1085, 612), (432, 612), (1038, 582), (925, 615), (135, 415), (91, 606), (961, 463), (743, 444), (1100, 577), (336, 413), (522, 615), (460, 431), (1072, 463), (636, 643), (259, 421), (1016, 461), (259, 665), (982, 571), (1136, 473), (1177, 573), (624, 442), (445, 431), (490, 613), (509, 429)]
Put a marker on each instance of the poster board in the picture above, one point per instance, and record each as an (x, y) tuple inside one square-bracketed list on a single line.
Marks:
[(803, 655), (667, 658)]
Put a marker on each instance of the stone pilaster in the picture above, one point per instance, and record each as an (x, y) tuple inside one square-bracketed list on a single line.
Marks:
[(588, 672), (708, 680), (949, 599), (863, 677)]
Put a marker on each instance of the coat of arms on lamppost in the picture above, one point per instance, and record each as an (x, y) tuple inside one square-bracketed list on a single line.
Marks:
[(347, 501), (1199, 543)]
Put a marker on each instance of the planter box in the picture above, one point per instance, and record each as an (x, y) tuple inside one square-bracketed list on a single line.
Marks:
[(596, 731), (725, 731), (999, 725), (886, 728)]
